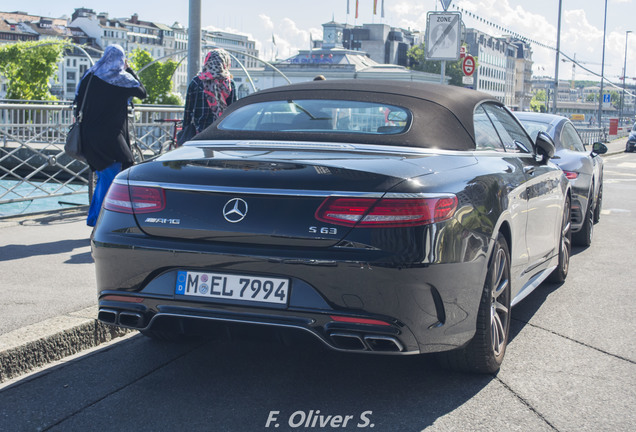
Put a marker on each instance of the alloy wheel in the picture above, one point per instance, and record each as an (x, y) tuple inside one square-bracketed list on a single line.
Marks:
[(500, 303)]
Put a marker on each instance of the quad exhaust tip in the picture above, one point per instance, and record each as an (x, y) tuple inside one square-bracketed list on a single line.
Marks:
[(341, 340), (107, 316), (125, 319), (356, 342)]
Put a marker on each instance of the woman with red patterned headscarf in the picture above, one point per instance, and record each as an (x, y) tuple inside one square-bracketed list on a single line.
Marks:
[(210, 92)]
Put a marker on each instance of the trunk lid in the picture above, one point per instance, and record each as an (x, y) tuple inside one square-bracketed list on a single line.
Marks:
[(265, 194)]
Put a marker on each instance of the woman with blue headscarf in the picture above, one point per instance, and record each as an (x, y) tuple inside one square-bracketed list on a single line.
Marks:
[(104, 129)]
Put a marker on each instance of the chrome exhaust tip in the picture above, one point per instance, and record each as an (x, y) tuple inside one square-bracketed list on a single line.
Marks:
[(108, 316), (348, 341), (383, 343), (131, 319)]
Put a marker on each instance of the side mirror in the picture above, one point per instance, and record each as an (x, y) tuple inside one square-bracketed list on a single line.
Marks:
[(599, 148), (545, 146)]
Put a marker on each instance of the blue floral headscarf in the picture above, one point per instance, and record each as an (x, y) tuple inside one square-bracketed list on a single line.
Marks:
[(112, 68)]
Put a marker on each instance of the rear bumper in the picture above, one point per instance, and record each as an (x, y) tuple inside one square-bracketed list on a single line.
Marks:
[(424, 307)]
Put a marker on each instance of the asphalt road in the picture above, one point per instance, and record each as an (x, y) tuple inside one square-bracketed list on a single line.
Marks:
[(570, 366)]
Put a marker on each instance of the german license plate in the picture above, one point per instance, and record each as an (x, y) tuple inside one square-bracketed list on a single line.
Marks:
[(227, 286)]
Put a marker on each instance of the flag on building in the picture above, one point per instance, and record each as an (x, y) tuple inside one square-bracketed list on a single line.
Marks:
[(357, 1), (375, 7)]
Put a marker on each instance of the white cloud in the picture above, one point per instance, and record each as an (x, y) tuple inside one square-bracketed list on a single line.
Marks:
[(580, 32)]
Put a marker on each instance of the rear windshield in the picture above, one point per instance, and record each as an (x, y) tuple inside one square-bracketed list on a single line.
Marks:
[(534, 128), (319, 115)]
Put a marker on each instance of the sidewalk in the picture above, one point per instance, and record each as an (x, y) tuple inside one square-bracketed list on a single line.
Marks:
[(49, 301)]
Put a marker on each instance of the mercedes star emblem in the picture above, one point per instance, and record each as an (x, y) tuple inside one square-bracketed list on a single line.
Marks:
[(235, 210)]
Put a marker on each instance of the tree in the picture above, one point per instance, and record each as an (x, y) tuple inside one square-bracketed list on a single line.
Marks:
[(29, 68), (615, 99), (537, 103), (417, 55), (157, 78)]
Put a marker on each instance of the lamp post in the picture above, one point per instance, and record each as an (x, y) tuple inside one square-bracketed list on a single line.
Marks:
[(600, 97), (624, 73), (556, 64), (194, 38)]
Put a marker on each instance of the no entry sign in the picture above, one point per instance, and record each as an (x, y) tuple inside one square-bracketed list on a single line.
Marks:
[(468, 65)]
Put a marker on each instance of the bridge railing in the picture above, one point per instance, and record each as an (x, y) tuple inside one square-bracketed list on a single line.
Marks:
[(33, 164)]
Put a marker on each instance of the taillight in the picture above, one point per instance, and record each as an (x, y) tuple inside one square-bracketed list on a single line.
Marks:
[(386, 212), (571, 175), (136, 199)]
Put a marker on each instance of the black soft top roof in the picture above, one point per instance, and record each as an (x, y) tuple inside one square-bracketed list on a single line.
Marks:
[(442, 114)]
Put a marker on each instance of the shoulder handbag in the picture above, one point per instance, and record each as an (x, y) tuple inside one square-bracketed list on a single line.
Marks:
[(73, 146)]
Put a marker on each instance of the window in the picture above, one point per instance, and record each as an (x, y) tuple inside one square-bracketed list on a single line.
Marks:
[(319, 115), (534, 128), (486, 137), (570, 139), (513, 136)]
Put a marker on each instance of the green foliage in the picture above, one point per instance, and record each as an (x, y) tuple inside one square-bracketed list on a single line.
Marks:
[(537, 104), (615, 99), (417, 55), (157, 78), (29, 68), (585, 83)]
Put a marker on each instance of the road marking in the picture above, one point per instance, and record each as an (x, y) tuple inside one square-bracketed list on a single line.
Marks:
[(615, 211)]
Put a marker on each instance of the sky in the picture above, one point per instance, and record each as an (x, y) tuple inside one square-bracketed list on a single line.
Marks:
[(292, 21)]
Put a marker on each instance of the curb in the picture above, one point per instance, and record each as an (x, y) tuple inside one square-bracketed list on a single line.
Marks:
[(28, 348)]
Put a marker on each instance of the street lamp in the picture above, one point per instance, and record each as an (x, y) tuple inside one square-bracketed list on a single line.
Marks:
[(624, 73), (600, 97)]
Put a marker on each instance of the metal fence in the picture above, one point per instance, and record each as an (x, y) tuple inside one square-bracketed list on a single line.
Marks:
[(33, 164)]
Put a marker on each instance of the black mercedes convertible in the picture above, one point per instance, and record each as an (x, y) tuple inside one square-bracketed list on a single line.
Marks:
[(376, 216)]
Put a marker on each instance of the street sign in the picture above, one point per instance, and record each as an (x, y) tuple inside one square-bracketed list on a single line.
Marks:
[(445, 4), (468, 65), (462, 52), (443, 35), (468, 80), (606, 98)]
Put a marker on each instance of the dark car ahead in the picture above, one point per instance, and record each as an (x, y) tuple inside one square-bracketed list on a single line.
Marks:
[(583, 167), (377, 216), (630, 146)]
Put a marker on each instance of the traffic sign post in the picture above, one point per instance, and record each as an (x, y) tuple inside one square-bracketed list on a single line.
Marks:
[(468, 65), (443, 35)]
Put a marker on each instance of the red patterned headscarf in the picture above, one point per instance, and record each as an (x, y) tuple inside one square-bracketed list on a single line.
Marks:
[(216, 77)]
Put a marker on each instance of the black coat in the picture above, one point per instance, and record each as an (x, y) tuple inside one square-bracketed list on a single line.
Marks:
[(104, 128)]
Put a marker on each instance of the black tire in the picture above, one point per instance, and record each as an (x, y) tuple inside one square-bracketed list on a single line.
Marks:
[(485, 352), (565, 246), (583, 237), (599, 205)]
